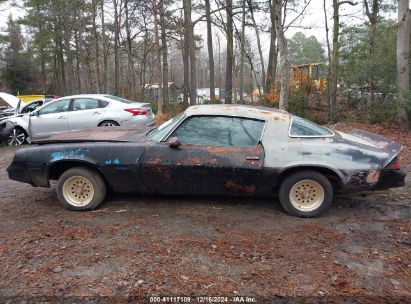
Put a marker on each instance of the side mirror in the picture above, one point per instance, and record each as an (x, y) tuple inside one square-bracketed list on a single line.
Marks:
[(174, 142), (34, 113)]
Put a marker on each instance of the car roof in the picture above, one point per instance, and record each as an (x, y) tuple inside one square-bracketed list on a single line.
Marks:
[(84, 95), (255, 112)]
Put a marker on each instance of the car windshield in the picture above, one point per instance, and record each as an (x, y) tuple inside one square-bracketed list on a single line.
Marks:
[(303, 127), (120, 99), (158, 133)]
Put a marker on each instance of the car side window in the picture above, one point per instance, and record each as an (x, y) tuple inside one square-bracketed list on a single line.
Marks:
[(31, 107), (86, 104), (303, 127), (219, 131), (56, 107)]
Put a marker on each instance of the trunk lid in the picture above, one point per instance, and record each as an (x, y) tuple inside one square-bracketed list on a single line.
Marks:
[(368, 138)]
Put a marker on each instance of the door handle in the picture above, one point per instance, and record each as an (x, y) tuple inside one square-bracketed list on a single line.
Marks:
[(96, 113), (61, 117), (252, 158)]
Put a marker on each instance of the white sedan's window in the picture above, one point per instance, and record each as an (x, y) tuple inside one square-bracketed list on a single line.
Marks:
[(303, 127), (220, 131), (56, 107)]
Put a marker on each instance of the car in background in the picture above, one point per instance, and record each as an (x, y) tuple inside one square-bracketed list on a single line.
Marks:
[(213, 150), (77, 112), (8, 105), (18, 119)]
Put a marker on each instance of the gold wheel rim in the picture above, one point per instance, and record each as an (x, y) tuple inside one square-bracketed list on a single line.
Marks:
[(78, 191), (307, 195)]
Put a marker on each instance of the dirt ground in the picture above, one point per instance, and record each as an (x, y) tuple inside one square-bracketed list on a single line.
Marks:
[(134, 247)]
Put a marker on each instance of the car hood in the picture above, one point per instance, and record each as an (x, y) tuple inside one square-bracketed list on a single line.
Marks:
[(101, 134), (6, 118), (11, 100), (360, 137)]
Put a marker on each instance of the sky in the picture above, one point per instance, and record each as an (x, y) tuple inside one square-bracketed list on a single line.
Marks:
[(312, 23)]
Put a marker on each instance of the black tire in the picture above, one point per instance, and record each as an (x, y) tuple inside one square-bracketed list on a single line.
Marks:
[(108, 123), (311, 183), (91, 186), (17, 136)]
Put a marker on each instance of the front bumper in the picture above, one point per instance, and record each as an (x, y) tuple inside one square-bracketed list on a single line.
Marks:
[(391, 179), (18, 171)]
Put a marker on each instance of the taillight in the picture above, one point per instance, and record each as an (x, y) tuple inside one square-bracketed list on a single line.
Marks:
[(136, 111), (394, 165)]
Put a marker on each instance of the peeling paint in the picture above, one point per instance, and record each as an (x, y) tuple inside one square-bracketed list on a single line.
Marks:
[(69, 154)]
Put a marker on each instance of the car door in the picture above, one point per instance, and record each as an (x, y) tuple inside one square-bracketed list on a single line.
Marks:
[(218, 155), (86, 113), (52, 118)]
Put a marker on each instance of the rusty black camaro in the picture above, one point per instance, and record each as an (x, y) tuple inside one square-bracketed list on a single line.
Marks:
[(213, 150)]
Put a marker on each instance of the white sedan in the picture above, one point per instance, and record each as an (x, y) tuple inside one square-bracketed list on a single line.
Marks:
[(77, 112)]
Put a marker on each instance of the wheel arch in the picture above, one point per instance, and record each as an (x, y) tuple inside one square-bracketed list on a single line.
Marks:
[(332, 175), (21, 128), (108, 120), (57, 168)]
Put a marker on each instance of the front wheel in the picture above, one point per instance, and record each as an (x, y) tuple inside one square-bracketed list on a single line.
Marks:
[(80, 189), (306, 194), (17, 137)]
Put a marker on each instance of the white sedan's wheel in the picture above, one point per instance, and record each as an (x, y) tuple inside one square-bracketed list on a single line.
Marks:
[(109, 123), (81, 188), (17, 137), (307, 195), (78, 191)]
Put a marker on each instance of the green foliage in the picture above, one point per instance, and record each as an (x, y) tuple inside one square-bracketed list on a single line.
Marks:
[(358, 67), (298, 104), (303, 49), (360, 70), (19, 70)]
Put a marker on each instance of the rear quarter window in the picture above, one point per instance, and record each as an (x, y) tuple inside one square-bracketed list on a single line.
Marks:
[(301, 127)]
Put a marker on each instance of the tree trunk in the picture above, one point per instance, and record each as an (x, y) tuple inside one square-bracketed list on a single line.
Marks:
[(328, 92), (335, 60), (164, 51), (96, 45), (186, 50), (193, 67), (403, 65), (242, 50), (78, 70), (372, 18), (230, 53), (284, 61), (104, 43), (210, 51), (272, 57), (69, 56), (116, 47), (130, 62), (189, 47), (260, 52), (158, 60)]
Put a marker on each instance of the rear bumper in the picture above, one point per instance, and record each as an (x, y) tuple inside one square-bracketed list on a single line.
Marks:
[(391, 179), (144, 121)]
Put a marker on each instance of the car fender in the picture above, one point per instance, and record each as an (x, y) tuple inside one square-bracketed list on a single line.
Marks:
[(21, 121)]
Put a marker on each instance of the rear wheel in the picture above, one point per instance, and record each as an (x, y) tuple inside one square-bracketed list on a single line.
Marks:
[(109, 123), (81, 188), (306, 194), (17, 137)]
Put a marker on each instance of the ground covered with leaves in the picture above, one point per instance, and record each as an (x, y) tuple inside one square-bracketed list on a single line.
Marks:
[(136, 246)]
